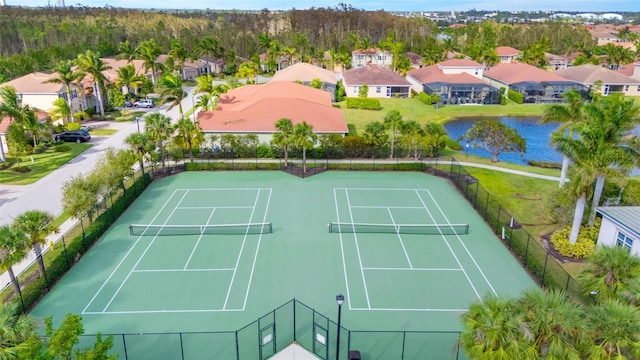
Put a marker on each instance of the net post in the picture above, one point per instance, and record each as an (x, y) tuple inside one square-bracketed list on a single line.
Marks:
[(270, 228), (466, 229), (131, 230)]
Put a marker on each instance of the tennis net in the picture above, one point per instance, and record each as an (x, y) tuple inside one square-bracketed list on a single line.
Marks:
[(420, 229), (212, 229)]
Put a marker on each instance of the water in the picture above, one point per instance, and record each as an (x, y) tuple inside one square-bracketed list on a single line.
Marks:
[(538, 137)]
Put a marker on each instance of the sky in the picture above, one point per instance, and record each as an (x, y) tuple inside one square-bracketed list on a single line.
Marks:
[(389, 5)]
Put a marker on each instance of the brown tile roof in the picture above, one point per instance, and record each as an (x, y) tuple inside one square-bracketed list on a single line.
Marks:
[(256, 108), (433, 74), (115, 65), (507, 51), (459, 63), (628, 69), (304, 72), (589, 74), (373, 75), (370, 51), (415, 58), (514, 73), (163, 58), (35, 83)]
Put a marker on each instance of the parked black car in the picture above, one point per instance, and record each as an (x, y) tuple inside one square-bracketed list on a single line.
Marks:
[(74, 135)]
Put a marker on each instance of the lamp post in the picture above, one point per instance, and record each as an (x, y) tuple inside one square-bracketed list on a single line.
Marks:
[(339, 301), (466, 150), (138, 123)]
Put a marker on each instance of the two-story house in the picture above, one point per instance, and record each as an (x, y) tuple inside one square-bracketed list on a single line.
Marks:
[(372, 56)]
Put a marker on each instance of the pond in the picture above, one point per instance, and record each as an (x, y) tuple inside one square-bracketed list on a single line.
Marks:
[(537, 135)]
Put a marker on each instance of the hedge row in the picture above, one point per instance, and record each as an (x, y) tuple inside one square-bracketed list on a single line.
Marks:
[(230, 165), (515, 96), (363, 103)]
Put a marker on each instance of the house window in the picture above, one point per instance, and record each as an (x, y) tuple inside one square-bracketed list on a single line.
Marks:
[(624, 241), (606, 90), (638, 88), (626, 88), (63, 96), (477, 71), (356, 89), (378, 89), (74, 93)]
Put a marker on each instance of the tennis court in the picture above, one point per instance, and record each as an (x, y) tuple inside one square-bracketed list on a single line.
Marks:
[(211, 252)]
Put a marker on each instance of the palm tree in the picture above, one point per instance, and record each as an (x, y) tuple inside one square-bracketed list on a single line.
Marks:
[(60, 110), (148, 53), (204, 84), (171, 91), (492, 332), (553, 325), (264, 41), (283, 137), (609, 272), (247, 71), (127, 52), (159, 129), (568, 115), (10, 104), (37, 225), (127, 77), (16, 331), (141, 145), (90, 63), (189, 135), (66, 76), (209, 48), (615, 330), (31, 123), (216, 92), (178, 54), (14, 245), (392, 121), (375, 135), (303, 137), (204, 102)]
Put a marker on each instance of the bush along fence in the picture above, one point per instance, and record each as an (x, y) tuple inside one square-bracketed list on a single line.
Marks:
[(292, 322), (68, 249)]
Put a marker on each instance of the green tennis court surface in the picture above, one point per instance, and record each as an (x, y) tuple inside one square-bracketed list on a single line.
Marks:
[(214, 251)]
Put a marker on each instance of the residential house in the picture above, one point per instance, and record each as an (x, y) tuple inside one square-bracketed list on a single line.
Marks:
[(507, 54), (255, 109), (457, 81), (612, 81), (373, 56), (620, 227), (537, 85), (191, 69), (306, 73), (630, 70), (34, 90), (557, 62), (382, 82), (416, 60), (281, 62)]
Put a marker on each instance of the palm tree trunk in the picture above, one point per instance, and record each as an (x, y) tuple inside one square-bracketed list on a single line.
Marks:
[(286, 155), (393, 140), (162, 156), (99, 97), (597, 194), (304, 159), (70, 119), (142, 165), (577, 218), (563, 171), (38, 252)]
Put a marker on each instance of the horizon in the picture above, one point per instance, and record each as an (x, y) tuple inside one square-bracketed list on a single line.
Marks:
[(585, 6)]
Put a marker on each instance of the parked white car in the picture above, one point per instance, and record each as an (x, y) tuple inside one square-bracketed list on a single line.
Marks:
[(144, 103)]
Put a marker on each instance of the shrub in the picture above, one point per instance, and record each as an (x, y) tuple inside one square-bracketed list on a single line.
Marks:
[(583, 247), (503, 100), (428, 99), (363, 103), (453, 145), (545, 164), (264, 152), (515, 96), (40, 148), (61, 148)]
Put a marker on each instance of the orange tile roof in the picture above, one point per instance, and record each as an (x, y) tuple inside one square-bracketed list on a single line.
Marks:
[(459, 63), (433, 74), (514, 73), (304, 72), (373, 75), (256, 109), (35, 83), (507, 51), (5, 121), (628, 69)]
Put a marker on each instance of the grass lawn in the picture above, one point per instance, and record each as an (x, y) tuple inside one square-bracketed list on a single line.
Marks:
[(103, 132), (460, 156), (126, 115), (42, 165), (414, 109)]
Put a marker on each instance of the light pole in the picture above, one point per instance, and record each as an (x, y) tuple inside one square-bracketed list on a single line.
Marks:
[(466, 150), (138, 123), (339, 300)]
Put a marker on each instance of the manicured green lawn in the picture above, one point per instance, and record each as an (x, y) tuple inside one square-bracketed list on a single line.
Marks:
[(414, 109), (124, 115), (42, 165), (460, 156), (103, 132)]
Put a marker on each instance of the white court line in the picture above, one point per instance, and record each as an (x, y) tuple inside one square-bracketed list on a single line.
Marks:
[(393, 221), (355, 237), (224, 189), (212, 207), (126, 255), (344, 264), (378, 189), (411, 269), (180, 270), (385, 207), (244, 240), (449, 246), (464, 246), (142, 256), (156, 311), (193, 251), (255, 257), (418, 309)]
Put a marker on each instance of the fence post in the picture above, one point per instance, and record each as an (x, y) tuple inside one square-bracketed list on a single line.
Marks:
[(544, 269), (475, 198), (124, 345), (497, 225), (294, 320), (404, 339), (237, 347), (181, 346), (526, 250), (486, 207), (66, 255)]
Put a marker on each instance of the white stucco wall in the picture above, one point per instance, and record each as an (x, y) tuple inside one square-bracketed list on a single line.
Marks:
[(39, 101), (609, 231)]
